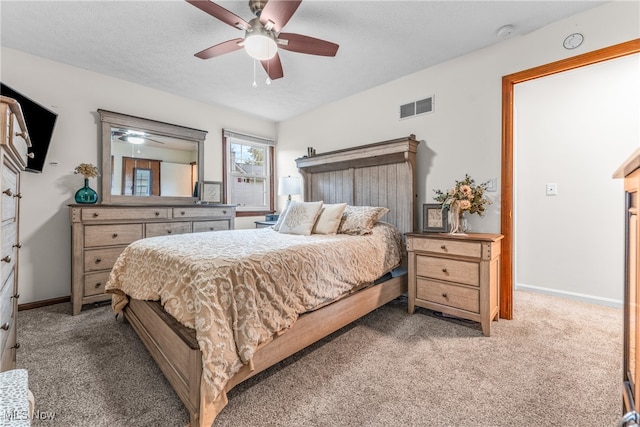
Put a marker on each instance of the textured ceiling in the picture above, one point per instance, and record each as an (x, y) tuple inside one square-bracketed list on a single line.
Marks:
[(152, 43)]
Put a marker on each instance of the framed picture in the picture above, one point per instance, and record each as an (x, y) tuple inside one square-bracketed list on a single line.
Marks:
[(434, 218), (211, 191)]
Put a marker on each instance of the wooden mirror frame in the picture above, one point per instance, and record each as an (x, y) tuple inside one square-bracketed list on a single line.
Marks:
[(109, 119)]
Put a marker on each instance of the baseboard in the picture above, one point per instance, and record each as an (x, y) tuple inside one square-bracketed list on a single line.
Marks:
[(43, 303), (571, 295)]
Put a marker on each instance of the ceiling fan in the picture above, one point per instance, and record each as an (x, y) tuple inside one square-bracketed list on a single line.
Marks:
[(133, 137), (263, 35)]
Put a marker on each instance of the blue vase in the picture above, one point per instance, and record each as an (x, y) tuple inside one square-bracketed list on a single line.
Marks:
[(86, 194)]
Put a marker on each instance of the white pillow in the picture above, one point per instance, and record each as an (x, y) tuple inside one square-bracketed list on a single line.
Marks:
[(278, 223), (329, 219), (359, 220), (300, 218)]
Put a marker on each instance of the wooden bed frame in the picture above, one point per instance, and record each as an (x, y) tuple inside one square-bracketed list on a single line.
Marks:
[(380, 174)]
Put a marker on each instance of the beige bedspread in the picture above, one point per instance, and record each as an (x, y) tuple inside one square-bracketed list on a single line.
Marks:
[(239, 288)]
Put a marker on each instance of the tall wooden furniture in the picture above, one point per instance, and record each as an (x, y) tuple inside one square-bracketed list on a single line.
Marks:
[(14, 143), (99, 233), (630, 171), (456, 274)]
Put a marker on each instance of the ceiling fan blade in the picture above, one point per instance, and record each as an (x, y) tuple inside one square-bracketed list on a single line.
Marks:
[(279, 12), (220, 12), (273, 67), (306, 44), (220, 49)]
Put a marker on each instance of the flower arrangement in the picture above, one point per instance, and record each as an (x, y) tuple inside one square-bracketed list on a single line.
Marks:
[(87, 170), (465, 196)]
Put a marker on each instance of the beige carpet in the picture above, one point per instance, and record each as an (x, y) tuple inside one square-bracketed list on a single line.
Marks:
[(558, 363)]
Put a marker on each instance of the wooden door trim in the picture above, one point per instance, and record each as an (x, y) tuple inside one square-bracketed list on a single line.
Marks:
[(508, 82)]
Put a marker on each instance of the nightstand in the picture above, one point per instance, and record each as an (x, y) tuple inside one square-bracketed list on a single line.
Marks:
[(457, 275), (264, 224)]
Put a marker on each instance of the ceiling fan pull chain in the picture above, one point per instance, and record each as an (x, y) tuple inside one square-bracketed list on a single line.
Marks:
[(254, 74), (268, 81)]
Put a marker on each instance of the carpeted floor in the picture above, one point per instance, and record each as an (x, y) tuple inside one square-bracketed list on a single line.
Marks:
[(558, 363)]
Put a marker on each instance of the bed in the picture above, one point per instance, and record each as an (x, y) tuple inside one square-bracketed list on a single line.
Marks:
[(200, 355)]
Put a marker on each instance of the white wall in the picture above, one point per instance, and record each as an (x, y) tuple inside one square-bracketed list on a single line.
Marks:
[(463, 134), (574, 129), (76, 94)]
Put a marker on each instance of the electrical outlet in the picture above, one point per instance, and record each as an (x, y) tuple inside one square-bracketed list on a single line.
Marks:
[(552, 189)]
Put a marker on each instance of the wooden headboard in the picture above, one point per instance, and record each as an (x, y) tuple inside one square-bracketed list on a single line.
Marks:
[(380, 174)]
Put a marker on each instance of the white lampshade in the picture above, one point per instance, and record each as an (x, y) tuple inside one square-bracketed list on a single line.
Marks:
[(260, 45), (289, 185)]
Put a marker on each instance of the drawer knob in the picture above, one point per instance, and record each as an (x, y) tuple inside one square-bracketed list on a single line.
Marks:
[(95, 214), (16, 345), (19, 195), (18, 245), (115, 235), (444, 270), (157, 213), (5, 327), (21, 135), (224, 212), (98, 285), (444, 295), (30, 155), (98, 260), (443, 247), (168, 231), (16, 296), (182, 212), (8, 192), (7, 259)]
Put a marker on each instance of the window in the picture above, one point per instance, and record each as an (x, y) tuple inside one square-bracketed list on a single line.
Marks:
[(249, 173)]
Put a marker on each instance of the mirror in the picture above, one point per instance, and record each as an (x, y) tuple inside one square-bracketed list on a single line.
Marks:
[(149, 162)]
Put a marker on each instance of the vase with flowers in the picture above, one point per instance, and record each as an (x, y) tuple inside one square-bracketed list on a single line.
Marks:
[(465, 196), (86, 194)]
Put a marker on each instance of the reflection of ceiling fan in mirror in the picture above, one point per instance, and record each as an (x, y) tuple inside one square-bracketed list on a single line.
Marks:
[(262, 36), (133, 137)]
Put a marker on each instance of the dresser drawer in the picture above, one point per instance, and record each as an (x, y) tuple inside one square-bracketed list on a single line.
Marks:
[(116, 214), (8, 254), (94, 283), (202, 212), (17, 141), (8, 354), (166, 228), (447, 247), (6, 311), (110, 235), (451, 270), (101, 259), (9, 189), (459, 297), (200, 226)]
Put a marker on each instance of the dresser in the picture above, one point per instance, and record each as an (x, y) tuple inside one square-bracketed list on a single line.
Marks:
[(630, 172), (458, 275), (99, 233), (14, 144)]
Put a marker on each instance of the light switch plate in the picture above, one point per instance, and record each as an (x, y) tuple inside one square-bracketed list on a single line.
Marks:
[(552, 189), (492, 184)]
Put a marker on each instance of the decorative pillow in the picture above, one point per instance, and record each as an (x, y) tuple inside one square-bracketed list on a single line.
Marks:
[(329, 219), (278, 223), (300, 218), (359, 220)]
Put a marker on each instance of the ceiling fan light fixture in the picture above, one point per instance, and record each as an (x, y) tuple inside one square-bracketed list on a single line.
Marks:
[(135, 140), (260, 46), (259, 42)]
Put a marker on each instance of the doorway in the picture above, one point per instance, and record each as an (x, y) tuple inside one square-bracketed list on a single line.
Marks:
[(507, 178)]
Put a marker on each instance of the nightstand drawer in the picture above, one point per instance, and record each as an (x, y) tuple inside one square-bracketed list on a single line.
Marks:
[(94, 283), (460, 297), (110, 235), (447, 247), (101, 259), (200, 226), (167, 228), (202, 212), (451, 270)]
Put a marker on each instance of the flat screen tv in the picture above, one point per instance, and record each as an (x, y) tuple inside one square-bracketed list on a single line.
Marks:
[(40, 123)]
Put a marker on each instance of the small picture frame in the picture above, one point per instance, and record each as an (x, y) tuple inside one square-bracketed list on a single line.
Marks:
[(211, 192), (435, 218)]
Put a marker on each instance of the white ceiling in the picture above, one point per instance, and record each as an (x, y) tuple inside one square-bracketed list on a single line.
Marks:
[(152, 43)]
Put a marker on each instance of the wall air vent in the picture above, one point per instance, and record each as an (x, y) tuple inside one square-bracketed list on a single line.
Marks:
[(416, 108)]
